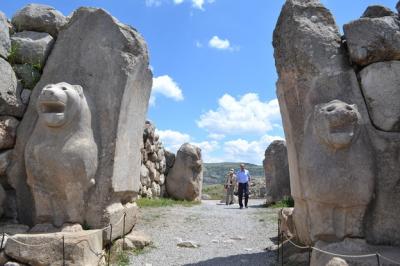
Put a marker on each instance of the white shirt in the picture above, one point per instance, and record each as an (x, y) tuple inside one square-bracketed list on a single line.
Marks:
[(243, 176)]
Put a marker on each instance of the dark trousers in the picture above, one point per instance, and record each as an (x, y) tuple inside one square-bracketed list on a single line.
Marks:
[(243, 189)]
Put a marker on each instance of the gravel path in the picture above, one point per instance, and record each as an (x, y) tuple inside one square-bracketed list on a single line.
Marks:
[(226, 235)]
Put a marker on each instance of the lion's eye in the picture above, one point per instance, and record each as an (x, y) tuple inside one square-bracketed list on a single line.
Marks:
[(64, 89), (349, 108), (330, 108)]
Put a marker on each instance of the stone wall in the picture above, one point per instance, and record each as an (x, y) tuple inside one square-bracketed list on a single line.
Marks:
[(154, 164), (339, 98)]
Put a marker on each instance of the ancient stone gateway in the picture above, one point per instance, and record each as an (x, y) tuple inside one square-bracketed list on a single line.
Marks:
[(78, 145)]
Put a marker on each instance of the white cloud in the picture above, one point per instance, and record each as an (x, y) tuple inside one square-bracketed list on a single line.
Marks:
[(247, 114), (153, 3), (217, 43), (241, 150), (197, 4), (172, 140), (166, 86), (216, 136), (199, 44)]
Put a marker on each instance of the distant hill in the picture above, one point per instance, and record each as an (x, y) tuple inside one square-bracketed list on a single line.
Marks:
[(214, 173)]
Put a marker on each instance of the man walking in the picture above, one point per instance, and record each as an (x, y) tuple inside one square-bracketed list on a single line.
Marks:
[(243, 178), (230, 183)]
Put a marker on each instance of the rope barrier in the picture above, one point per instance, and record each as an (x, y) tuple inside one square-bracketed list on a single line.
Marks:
[(361, 256), (66, 236)]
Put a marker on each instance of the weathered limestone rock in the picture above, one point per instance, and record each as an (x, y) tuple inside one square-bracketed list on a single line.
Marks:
[(139, 239), (5, 157), (5, 42), (25, 96), (31, 47), (287, 226), (373, 39), (28, 74), (377, 11), (8, 131), (44, 228), (276, 169), (110, 61), (13, 263), (337, 262), (353, 247), (328, 148), (37, 17), (115, 214), (2, 199), (12, 229), (61, 155), (10, 102), (81, 248), (169, 160), (380, 83), (185, 178)]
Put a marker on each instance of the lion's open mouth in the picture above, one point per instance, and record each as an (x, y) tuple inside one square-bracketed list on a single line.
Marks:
[(52, 107)]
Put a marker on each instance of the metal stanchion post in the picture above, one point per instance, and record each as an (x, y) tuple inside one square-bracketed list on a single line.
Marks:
[(109, 249), (63, 249), (309, 255), (123, 232), (282, 248), (377, 259), (279, 239)]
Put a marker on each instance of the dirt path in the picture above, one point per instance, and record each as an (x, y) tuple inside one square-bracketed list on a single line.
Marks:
[(226, 235)]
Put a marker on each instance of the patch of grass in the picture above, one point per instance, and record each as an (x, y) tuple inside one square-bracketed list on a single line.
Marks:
[(164, 202), (287, 202), (13, 54), (216, 192)]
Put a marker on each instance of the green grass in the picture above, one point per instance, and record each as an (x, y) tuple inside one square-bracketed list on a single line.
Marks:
[(164, 202), (287, 202), (13, 54), (216, 192)]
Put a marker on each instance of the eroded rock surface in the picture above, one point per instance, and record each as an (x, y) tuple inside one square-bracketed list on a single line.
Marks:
[(31, 47), (5, 42), (41, 18), (276, 169), (380, 83), (8, 131), (185, 178), (10, 102)]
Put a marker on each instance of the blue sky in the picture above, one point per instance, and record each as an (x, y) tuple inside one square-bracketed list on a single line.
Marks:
[(213, 66)]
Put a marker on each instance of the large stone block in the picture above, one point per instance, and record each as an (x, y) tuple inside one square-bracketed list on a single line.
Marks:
[(5, 157), (10, 101), (5, 42), (8, 131), (380, 83), (276, 169), (31, 47), (185, 178), (110, 61), (372, 40), (37, 17), (327, 159), (122, 218), (81, 248)]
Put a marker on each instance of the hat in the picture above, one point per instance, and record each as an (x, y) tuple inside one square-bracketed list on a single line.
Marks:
[(231, 171)]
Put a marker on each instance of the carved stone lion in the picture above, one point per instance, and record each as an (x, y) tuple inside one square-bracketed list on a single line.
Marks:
[(338, 172), (61, 155)]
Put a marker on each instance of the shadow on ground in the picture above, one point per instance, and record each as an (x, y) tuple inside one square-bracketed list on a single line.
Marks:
[(255, 259)]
